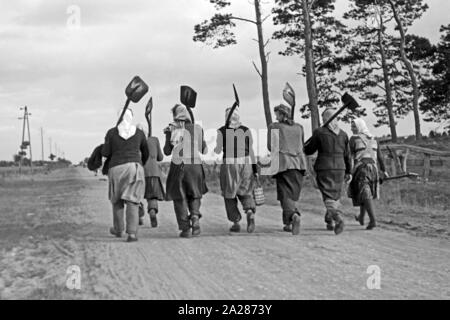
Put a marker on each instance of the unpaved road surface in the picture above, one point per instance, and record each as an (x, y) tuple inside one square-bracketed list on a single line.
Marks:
[(268, 264)]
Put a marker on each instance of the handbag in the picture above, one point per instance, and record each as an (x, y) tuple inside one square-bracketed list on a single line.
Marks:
[(258, 193)]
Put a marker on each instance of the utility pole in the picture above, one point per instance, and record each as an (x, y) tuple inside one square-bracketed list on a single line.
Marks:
[(25, 144), (42, 144)]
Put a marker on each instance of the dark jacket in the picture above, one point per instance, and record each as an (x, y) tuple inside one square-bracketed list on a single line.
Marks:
[(333, 150), (123, 151)]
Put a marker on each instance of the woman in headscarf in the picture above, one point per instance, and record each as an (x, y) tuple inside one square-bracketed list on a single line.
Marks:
[(364, 187), (154, 189), (185, 184), (126, 146), (285, 141), (237, 171)]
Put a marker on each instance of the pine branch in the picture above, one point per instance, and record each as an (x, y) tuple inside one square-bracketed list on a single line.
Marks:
[(256, 68)]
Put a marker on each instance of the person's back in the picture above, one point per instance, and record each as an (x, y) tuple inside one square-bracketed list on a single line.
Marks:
[(151, 168), (287, 141), (332, 149), (121, 151), (191, 145)]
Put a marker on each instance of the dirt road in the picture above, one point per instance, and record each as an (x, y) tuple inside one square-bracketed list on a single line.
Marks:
[(269, 264)]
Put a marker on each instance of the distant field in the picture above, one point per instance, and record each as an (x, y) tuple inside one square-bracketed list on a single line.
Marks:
[(14, 171)]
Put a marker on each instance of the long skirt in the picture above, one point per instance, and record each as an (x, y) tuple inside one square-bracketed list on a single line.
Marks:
[(365, 184), (330, 183), (185, 181), (154, 189), (126, 182), (236, 179)]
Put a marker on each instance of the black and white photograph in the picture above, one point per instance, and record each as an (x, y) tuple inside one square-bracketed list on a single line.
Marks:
[(224, 155)]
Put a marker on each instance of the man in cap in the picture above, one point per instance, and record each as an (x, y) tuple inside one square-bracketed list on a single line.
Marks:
[(333, 166), (285, 141)]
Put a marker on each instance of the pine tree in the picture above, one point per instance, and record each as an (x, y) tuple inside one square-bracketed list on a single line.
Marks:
[(436, 88), (218, 32)]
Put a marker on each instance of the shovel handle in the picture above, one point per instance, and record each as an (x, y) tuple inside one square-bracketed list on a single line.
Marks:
[(127, 103)]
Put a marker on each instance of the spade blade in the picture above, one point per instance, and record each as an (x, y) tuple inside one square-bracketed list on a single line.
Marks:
[(289, 95), (188, 96)]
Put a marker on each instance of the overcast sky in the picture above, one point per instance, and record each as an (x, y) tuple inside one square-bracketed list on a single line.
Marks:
[(73, 79)]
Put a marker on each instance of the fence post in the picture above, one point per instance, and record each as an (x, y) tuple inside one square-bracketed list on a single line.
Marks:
[(426, 167)]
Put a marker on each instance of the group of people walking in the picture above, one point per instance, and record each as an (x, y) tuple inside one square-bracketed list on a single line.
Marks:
[(134, 173)]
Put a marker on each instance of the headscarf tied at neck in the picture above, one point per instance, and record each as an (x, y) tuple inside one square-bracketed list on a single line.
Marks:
[(235, 119), (361, 126), (125, 127)]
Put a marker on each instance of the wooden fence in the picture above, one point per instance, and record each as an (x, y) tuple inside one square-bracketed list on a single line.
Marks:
[(402, 157)]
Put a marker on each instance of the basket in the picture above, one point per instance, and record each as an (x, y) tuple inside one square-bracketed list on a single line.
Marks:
[(258, 194)]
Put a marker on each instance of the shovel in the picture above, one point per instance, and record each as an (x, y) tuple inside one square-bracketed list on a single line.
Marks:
[(289, 97), (188, 97), (348, 103), (135, 90), (148, 115), (410, 175), (235, 105)]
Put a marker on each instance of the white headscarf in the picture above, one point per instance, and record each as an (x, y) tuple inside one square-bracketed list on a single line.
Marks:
[(235, 119), (125, 127), (361, 126)]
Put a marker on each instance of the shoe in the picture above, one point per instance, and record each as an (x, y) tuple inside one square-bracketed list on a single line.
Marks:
[(287, 228), (115, 233), (235, 227), (141, 221), (250, 222), (195, 226), (132, 238), (153, 220), (330, 226), (296, 224), (371, 226), (185, 233), (339, 227), (358, 218)]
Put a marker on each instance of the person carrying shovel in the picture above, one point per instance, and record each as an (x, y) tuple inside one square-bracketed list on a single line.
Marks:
[(154, 189), (126, 146), (185, 184), (238, 170), (285, 142), (333, 166)]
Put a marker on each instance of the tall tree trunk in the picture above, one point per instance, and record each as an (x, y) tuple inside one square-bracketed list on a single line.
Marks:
[(263, 58), (410, 69), (387, 86), (310, 70)]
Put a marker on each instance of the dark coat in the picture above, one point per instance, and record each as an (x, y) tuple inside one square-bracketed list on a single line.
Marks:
[(333, 150), (95, 160)]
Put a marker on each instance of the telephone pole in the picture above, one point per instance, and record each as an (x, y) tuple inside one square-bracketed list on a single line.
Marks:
[(42, 144), (25, 144)]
